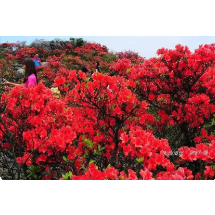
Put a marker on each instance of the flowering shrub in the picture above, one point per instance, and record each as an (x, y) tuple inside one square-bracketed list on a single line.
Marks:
[(153, 119), (133, 56)]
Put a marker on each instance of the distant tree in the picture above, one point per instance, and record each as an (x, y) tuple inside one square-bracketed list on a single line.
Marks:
[(34, 41), (77, 42)]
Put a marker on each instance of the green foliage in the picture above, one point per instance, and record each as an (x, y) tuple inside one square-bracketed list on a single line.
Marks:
[(67, 176), (77, 42), (210, 126), (33, 173), (100, 149), (88, 143), (139, 160), (109, 58)]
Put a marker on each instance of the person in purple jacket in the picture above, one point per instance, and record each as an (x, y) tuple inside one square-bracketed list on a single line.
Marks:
[(30, 75)]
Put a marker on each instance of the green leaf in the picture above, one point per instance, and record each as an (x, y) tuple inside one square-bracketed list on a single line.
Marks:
[(140, 159), (89, 143), (85, 154), (64, 158), (37, 170), (28, 176), (149, 126), (70, 174), (91, 161), (206, 126), (87, 79), (31, 168), (66, 109), (96, 152), (65, 177), (100, 148)]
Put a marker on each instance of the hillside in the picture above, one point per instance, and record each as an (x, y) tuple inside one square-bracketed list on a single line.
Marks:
[(134, 119)]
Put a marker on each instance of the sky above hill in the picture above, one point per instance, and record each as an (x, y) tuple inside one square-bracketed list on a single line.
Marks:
[(146, 46)]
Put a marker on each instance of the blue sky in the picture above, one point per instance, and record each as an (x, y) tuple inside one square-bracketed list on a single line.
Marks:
[(146, 46)]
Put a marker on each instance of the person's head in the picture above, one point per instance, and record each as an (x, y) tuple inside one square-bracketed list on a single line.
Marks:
[(97, 66), (84, 70), (29, 67), (112, 74)]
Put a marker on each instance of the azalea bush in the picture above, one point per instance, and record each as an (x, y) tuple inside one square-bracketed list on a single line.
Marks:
[(31, 119), (153, 119), (54, 136)]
